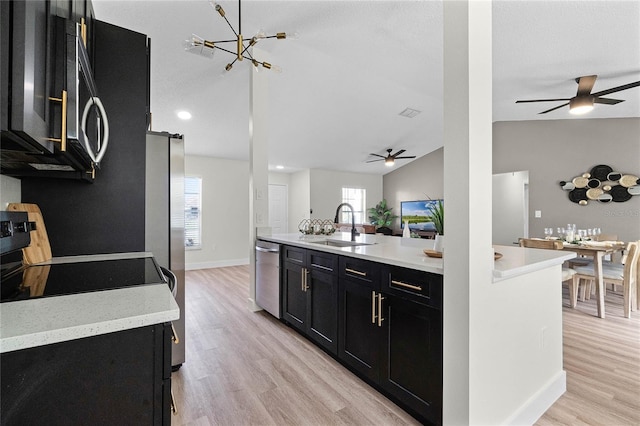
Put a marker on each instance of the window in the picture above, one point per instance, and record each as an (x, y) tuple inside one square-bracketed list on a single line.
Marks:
[(357, 198), (192, 211)]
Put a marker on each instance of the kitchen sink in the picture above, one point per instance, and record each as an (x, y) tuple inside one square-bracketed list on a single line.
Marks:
[(340, 243)]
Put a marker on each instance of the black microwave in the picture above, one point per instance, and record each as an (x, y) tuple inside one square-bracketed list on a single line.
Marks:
[(53, 122)]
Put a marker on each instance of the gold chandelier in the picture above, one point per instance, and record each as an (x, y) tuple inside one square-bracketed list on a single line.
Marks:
[(206, 48)]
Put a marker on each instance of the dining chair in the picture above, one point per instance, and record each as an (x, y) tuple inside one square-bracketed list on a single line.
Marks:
[(608, 237), (588, 288), (627, 276), (567, 273)]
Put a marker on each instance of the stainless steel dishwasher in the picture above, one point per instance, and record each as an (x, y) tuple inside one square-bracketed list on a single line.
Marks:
[(268, 277)]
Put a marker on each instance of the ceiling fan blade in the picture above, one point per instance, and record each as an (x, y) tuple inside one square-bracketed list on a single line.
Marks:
[(397, 153), (377, 155), (585, 84), (617, 89), (402, 158), (543, 100), (371, 161), (553, 109), (607, 101)]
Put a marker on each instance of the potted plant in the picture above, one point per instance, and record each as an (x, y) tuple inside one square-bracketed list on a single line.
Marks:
[(382, 217), (437, 217)]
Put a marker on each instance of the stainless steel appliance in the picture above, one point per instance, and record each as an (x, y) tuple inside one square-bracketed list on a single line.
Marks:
[(164, 217), (54, 124), (268, 277)]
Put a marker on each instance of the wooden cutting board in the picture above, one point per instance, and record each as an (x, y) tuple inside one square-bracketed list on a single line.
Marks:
[(39, 250)]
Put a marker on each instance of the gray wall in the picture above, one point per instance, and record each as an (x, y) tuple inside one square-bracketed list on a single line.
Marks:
[(510, 207), (551, 151), (225, 212), (555, 150), (420, 179), (326, 191)]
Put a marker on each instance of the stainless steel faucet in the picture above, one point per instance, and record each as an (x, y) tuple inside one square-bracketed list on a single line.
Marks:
[(353, 219)]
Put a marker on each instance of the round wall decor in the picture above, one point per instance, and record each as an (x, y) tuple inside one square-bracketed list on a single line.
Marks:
[(601, 183)]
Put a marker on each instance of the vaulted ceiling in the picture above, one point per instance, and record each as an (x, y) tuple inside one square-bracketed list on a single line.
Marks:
[(358, 64)]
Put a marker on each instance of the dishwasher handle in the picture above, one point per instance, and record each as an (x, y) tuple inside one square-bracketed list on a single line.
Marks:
[(266, 250)]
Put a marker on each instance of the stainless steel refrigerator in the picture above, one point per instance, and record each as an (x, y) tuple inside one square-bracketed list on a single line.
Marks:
[(164, 217)]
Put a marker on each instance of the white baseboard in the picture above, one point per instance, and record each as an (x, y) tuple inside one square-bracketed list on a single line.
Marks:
[(216, 264), (538, 404)]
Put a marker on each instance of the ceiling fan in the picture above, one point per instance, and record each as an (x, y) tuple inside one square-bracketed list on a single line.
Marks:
[(584, 99), (390, 159)]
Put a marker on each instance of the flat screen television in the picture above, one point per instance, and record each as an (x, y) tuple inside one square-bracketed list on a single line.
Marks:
[(417, 214)]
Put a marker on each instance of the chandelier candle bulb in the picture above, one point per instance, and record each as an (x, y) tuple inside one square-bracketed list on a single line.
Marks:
[(218, 8), (242, 51)]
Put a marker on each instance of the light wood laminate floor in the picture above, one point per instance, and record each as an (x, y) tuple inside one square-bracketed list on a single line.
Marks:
[(245, 368)]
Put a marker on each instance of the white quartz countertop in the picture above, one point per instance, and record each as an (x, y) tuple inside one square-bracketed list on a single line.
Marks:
[(408, 253), (42, 321), (404, 252), (519, 261)]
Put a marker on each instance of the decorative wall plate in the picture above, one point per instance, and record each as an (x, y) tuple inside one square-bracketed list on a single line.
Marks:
[(593, 183), (567, 186), (628, 181), (605, 198), (600, 172), (594, 193), (614, 176), (580, 182), (620, 194), (578, 194)]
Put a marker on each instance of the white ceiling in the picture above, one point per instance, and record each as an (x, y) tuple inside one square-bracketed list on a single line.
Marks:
[(358, 64)]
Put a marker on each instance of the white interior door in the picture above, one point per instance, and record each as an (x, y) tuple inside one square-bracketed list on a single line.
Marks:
[(510, 207), (278, 207)]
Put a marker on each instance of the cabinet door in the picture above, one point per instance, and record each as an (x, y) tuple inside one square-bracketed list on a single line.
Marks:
[(31, 74), (412, 363), (109, 379), (359, 334), (294, 296), (322, 290)]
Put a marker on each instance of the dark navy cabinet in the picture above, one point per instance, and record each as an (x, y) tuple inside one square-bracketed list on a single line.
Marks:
[(310, 294), (389, 323), (121, 378)]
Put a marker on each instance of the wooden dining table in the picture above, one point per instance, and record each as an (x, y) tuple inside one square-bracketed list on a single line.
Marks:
[(597, 252)]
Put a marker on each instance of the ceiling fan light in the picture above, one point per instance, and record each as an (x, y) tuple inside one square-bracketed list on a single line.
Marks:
[(580, 105), (389, 162)]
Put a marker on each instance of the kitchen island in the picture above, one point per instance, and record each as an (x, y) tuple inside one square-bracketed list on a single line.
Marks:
[(376, 305), (408, 252), (99, 357)]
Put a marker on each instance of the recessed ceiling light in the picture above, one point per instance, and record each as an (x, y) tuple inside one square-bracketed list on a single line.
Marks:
[(184, 115), (410, 112), (279, 167)]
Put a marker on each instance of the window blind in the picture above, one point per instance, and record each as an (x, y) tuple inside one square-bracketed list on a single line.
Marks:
[(192, 211)]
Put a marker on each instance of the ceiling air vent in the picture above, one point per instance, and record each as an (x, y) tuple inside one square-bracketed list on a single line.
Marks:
[(409, 112)]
